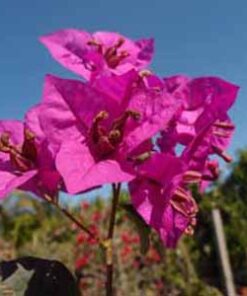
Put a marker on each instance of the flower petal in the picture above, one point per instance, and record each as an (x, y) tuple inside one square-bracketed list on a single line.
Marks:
[(218, 96), (69, 48), (32, 121), (156, 211), (79, 102), (156, 109), (10, 181), (15, 128), (57, 118), (81, 172), (117, 87), (146, 51)]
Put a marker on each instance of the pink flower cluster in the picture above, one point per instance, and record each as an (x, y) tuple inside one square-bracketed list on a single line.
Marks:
[(120, 123)]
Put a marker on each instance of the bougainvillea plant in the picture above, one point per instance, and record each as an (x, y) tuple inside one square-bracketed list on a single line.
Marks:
[(119, 123)]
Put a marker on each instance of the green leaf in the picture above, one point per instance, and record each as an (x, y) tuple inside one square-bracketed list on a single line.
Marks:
[(17, 282), (141, 226)]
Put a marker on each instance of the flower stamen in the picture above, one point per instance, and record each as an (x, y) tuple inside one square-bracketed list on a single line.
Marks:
[(224, 125), (223, 154), (107, 141), (96, 44), (222, 134), (113, 57), (22, 158), (192, 177), (184, 203)]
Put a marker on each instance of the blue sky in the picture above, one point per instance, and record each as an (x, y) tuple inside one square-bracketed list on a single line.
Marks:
[(192, 37)]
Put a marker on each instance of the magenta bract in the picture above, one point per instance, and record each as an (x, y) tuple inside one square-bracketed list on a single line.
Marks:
[(25, 160), (106, 130), (90, 55), (159, 196)]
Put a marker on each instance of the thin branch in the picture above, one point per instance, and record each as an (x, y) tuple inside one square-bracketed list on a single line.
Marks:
[(116, 195), (69, 215), (109, 242)]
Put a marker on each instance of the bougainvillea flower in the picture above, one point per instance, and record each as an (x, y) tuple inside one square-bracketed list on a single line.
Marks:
[(25, 161), (160, 198), (205, 99), (102, 132), (59, 117), (204, 128), (90, 54)]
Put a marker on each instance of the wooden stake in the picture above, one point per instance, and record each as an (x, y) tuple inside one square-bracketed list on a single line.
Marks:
[(224, 257)]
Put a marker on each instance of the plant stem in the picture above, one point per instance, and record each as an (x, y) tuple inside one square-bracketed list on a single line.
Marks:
[(109, 242), (69, 215)]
